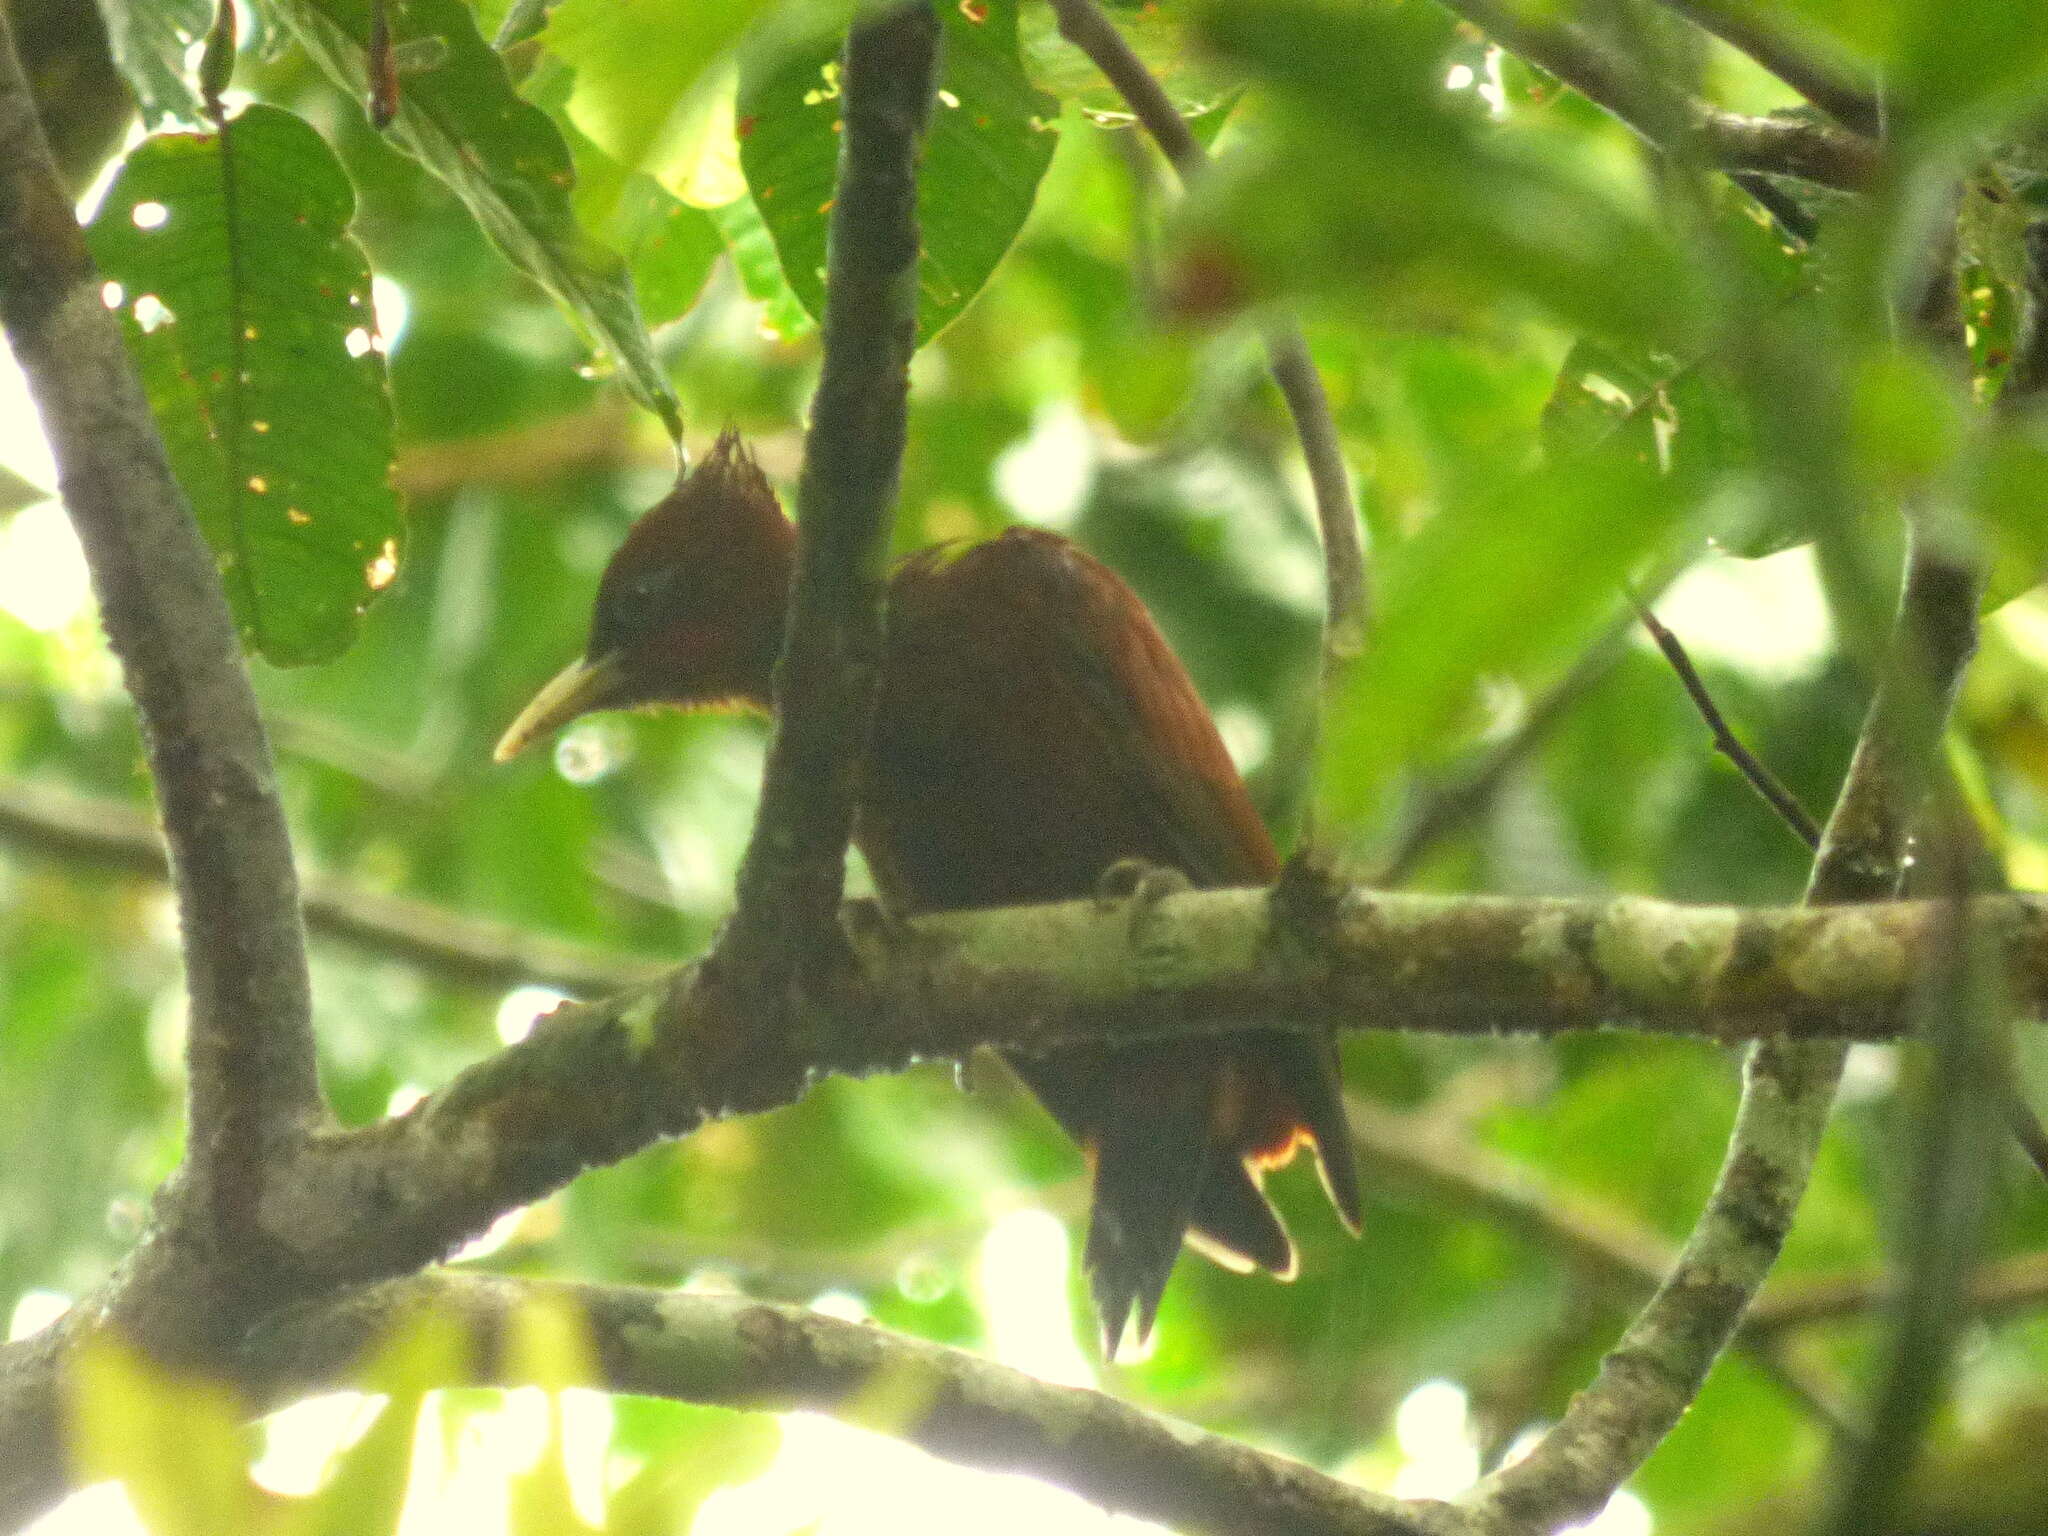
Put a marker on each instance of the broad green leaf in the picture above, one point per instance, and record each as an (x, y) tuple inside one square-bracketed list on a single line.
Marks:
[(247, 307), (176, 1444), (2010, 500), (1489, 587), (149, 39), (990, 141), (638, 62), (504, 159)]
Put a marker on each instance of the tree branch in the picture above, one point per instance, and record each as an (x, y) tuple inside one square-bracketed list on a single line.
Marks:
[(1671, 119), (794, 871), (1851, 103), (744, 1353), (1347, 614), (1656, 1370), (451, 946), (253, 1084)]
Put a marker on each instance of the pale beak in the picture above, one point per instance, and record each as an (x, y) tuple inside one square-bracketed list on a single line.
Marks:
[(576, 690)]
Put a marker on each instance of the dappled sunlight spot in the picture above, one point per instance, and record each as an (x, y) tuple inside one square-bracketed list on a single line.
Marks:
[(35, 1311), (1247, 736), (382, 570), (1870, 1070), (492, 1238), (1461, 77), (392, 308), (524, 1007), (1044, 477), (150, 215), (844, 1305), (402, 1099), (102, 1510), (112, 294), (23, 448), (163, 1034), (301, 1442), (1021, 1278), (591, 750), (1625, 1515), (43, 577), (1767, 617), (152, 313), (359, 342), (1434, 1431), (843, 1481)]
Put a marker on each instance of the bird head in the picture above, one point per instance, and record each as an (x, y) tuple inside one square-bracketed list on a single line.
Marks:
[(689, 611)]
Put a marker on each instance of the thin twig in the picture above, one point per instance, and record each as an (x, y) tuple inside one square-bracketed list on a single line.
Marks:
[(1726, 742), (450, 946), (1347, 591)]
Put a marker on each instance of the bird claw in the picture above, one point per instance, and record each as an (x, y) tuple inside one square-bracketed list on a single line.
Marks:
[(1138, 886)]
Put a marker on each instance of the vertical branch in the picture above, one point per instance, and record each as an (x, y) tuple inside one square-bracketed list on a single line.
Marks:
[(1656, 1370), (790, 882), (1347, 594), (250, 1044)]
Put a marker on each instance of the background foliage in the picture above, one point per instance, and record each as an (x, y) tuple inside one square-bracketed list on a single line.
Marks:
[(1555, 366)]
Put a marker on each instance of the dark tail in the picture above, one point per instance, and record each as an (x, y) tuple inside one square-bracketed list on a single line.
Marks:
[(1179, 1138)]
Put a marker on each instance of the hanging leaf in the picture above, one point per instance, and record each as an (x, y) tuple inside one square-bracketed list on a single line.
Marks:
[(991, 139), (149, 40), (501, 155), (247, 308)]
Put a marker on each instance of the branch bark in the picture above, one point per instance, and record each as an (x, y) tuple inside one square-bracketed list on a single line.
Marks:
[(825, 681), (250, 1042)]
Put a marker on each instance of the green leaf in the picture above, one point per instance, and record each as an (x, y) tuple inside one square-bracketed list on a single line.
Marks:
[(1490, 587), (704, 1449), (247, 308), (504, 159), (1381, 187), (365, 1493), (149, 39), (177, 1445), (638, 62), (1158, 34), (991, 139), (759, 265)]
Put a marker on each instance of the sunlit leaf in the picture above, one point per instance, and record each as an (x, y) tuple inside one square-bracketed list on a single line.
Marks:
[(176, 1444), (150, 39), (990, 141), (247, 307), (703, 1450)]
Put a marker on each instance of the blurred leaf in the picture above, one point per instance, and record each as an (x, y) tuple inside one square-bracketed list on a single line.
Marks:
[(2010, 500), (248, 309), (1488, 587), (365, 1493), (16, 493), (1158, 34), (760, 267), (503, 158), (991, 138), (702, 1450), (176, 1444), (150, 39), (1379, 184), (637, 61)]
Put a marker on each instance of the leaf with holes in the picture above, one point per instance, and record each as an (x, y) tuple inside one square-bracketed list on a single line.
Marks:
[(991, 139), (247, 308), (460, 117)]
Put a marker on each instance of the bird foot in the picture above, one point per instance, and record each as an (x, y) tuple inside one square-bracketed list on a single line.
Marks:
[(1138, 886)]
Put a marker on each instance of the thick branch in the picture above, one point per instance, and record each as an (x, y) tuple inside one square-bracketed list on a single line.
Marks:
[(596, 1083), (744, 1353), (1849, 102), (250, 1045), (1671, 119), (790, 883), (452, 946), (1347, 594)]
